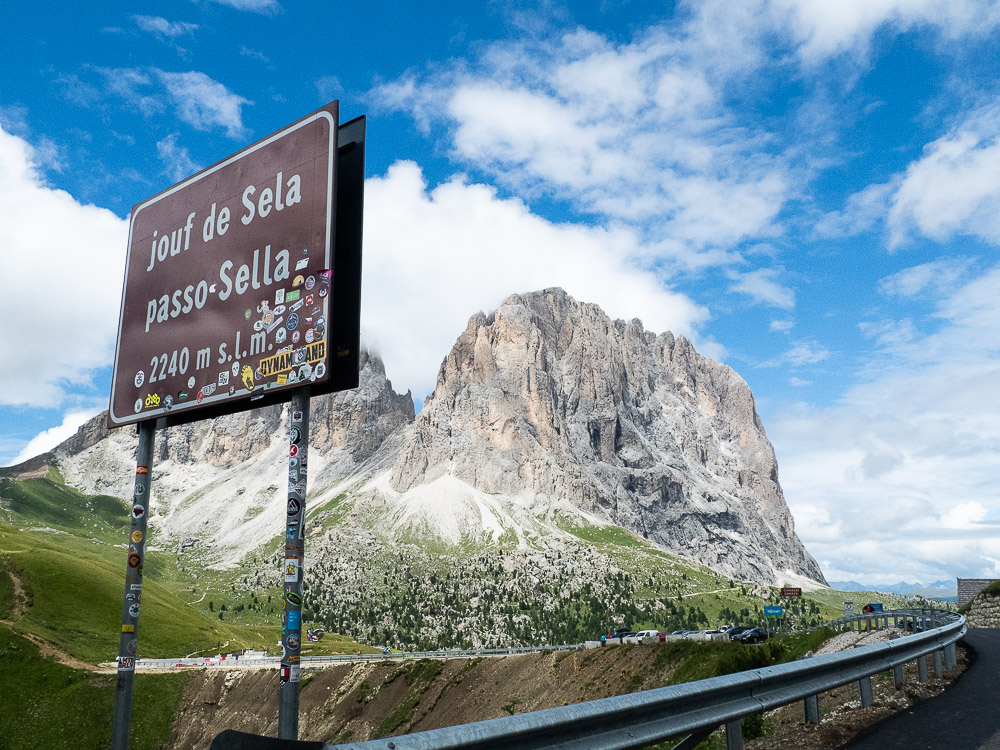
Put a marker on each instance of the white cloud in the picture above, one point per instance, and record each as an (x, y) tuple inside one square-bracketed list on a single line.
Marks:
[(865, 210), (964, 515), (433, 258), (60, 290), (906, 462), (199, 100), (50, 438), (953, 188), (204, 103), (164, 29), (822, 30), (176, 159), (782, 326), (936, 276), (635, 133), (329, 88), (799, 382), (762, 286), (265, 7), (802, 353)]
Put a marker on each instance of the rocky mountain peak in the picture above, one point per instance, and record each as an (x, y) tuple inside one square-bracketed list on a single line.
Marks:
[(550, 396)]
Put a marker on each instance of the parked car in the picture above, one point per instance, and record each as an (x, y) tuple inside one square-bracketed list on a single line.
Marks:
[(736, 632), (754, 635), (647, 634)]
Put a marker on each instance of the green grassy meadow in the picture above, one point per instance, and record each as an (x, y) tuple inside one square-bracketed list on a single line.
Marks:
[(51, 706)]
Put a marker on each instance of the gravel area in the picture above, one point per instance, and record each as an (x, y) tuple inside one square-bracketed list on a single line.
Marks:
[(852, 638)]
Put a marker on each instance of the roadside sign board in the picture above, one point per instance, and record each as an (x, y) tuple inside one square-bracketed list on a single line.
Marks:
[(790, 591), (770, 611), (873, 607), (229, 279), (848, 609)]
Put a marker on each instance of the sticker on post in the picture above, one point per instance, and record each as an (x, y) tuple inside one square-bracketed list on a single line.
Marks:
[(292, 570), (295, 672), (126, 663)]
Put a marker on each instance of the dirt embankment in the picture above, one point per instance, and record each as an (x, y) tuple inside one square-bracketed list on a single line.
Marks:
[(357, 701)]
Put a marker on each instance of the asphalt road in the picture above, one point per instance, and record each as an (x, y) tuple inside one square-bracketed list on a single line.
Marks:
[(966, 716)]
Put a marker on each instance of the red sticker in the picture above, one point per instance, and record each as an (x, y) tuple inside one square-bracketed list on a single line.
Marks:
[(293, 451), (134, 561), (141, 469)]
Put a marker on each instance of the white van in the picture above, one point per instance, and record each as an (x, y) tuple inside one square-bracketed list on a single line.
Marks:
[(643, 634)]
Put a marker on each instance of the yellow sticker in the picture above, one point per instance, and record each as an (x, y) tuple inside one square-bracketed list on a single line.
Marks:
[(128, 628), (137, 536), (284, 361)]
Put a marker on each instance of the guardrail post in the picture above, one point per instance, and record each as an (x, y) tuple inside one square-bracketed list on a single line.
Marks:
[(734, 735), (922, 669), (897, 676), (938, 669), (865, 683), (812, 709), (951, 656)]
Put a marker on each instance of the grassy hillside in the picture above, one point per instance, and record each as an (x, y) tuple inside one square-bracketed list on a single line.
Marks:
[(67, 550), (74, 588), (51, 706)]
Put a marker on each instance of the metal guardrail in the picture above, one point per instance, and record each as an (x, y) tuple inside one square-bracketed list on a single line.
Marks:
[(694, 709)]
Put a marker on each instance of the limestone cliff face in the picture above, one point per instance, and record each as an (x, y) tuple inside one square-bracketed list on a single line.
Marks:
[(549, 396)]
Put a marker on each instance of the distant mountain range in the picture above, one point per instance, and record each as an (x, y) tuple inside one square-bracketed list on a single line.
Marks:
[(944, 589)]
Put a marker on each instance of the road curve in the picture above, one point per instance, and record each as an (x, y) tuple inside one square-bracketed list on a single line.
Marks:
[(963, 717)]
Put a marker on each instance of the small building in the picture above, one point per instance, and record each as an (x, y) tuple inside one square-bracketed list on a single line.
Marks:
[(969, 587)]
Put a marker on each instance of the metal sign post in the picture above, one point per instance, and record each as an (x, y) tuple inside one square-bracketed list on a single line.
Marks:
[(295, 535), (128, 643)]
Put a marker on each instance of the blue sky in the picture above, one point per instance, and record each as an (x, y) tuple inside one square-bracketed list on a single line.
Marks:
[(809, 191)]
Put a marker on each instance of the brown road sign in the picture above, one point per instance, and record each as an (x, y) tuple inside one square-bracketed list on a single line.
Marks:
[(791, 591), (229, 280)]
